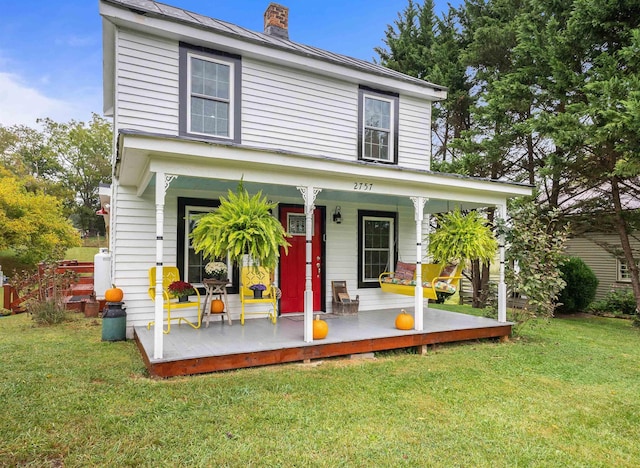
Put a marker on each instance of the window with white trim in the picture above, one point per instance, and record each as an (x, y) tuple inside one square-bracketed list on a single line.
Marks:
[(376, 245), (209, 93), (378, 126), (190, 263), (624, 274)]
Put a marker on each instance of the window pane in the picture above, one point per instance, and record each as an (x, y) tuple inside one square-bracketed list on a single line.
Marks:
[(210, 78), (216, 80), (377, 246), (376, 144), (377, 113), (209, 117), (196, 261)]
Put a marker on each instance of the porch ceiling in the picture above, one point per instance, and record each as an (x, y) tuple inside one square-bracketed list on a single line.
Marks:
[(209, 166), (326, 197)]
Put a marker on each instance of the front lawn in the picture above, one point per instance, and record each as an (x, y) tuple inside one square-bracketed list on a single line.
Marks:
[(566, 394)]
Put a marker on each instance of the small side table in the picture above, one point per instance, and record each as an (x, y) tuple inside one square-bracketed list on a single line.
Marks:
[(218, 288)]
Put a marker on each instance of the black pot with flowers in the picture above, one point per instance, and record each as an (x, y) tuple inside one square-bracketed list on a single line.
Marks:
[(257, 290)]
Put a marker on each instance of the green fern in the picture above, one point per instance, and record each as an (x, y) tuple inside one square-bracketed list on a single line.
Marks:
[(462, 237), (243, 224)]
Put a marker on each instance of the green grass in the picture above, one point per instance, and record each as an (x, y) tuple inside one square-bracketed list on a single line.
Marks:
[(565, 394), (90, 246), (82, 254)]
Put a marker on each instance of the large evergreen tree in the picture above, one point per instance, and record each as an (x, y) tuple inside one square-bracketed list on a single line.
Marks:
[(552, 93)]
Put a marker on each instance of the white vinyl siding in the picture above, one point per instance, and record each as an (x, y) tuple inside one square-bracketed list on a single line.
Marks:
[(133, 243), (297, 111), (414, 133), (147, 83), (282, 108)]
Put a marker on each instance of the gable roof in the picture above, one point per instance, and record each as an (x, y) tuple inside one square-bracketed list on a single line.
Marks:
[(168, 12)]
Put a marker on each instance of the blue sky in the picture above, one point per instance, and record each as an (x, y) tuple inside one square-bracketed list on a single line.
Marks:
[(51, 50)]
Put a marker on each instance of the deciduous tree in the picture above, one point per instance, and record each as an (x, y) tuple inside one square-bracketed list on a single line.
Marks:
[(32, 223)]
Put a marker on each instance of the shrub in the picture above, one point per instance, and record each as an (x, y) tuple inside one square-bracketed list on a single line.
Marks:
[(47, 312), (536, 243), (581, 286), (617, 302)]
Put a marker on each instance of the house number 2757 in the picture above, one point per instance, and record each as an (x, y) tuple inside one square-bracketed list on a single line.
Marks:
[(362, 186)]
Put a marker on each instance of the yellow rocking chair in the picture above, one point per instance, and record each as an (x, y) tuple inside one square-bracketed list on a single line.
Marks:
[(169, 275), (257, 275)]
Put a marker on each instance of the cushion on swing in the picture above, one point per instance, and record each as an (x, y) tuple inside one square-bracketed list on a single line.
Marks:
[(449, 269), (441, 286), (404, 271)]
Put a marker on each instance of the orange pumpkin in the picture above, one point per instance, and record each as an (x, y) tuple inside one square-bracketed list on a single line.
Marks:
[(404, 321), (114, 294), (320, 329), (217, 306)]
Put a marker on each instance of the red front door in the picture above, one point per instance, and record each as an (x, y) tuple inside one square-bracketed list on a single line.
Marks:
[(292, 266)]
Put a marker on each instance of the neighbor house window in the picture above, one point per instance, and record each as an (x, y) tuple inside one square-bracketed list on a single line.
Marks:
[(209, 93), (190, 263), (378, 126), (376, 246), (624, 274)]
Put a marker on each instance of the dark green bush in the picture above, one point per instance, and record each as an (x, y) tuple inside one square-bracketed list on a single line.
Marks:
[(617, 302), (580, 289)]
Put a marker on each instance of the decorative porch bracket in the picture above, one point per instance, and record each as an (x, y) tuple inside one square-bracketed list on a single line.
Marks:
[(502, 286), (418, 204), (309, 195), (163, 181)]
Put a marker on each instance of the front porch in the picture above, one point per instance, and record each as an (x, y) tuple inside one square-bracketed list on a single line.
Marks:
[(259, 342)]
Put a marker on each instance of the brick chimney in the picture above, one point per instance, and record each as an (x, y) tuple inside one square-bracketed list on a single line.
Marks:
[(276, 21)]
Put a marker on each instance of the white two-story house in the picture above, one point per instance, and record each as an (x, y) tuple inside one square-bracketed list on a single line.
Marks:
[(199, 104)]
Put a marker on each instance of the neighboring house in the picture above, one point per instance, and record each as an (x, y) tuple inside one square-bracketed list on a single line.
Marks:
[(594, 237), (595, 249), (199, 104)]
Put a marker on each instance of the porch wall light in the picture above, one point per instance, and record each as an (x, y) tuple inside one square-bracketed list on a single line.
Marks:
[(337, 216)]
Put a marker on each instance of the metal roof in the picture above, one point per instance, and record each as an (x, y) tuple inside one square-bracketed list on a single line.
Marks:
[(168, 12)]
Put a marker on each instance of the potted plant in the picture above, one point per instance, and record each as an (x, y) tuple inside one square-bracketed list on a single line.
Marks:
[(242, 225), (257, 290), (462, 237), (181, 290), (216, 270)]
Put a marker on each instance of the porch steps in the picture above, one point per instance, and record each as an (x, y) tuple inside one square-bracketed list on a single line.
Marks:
[(81, 291), (76, 295)]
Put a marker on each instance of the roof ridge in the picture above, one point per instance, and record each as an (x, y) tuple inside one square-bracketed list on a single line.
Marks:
[(160, 9)]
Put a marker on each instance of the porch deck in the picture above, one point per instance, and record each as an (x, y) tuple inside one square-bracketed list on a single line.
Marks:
[(259, 342)]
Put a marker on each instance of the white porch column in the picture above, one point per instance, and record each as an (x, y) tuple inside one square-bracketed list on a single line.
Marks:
[(418, 204), (162, 184), (309, 194), (502, 286)]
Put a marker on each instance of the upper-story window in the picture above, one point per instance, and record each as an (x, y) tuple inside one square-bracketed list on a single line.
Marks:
[(377, 126), (209, 93)]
